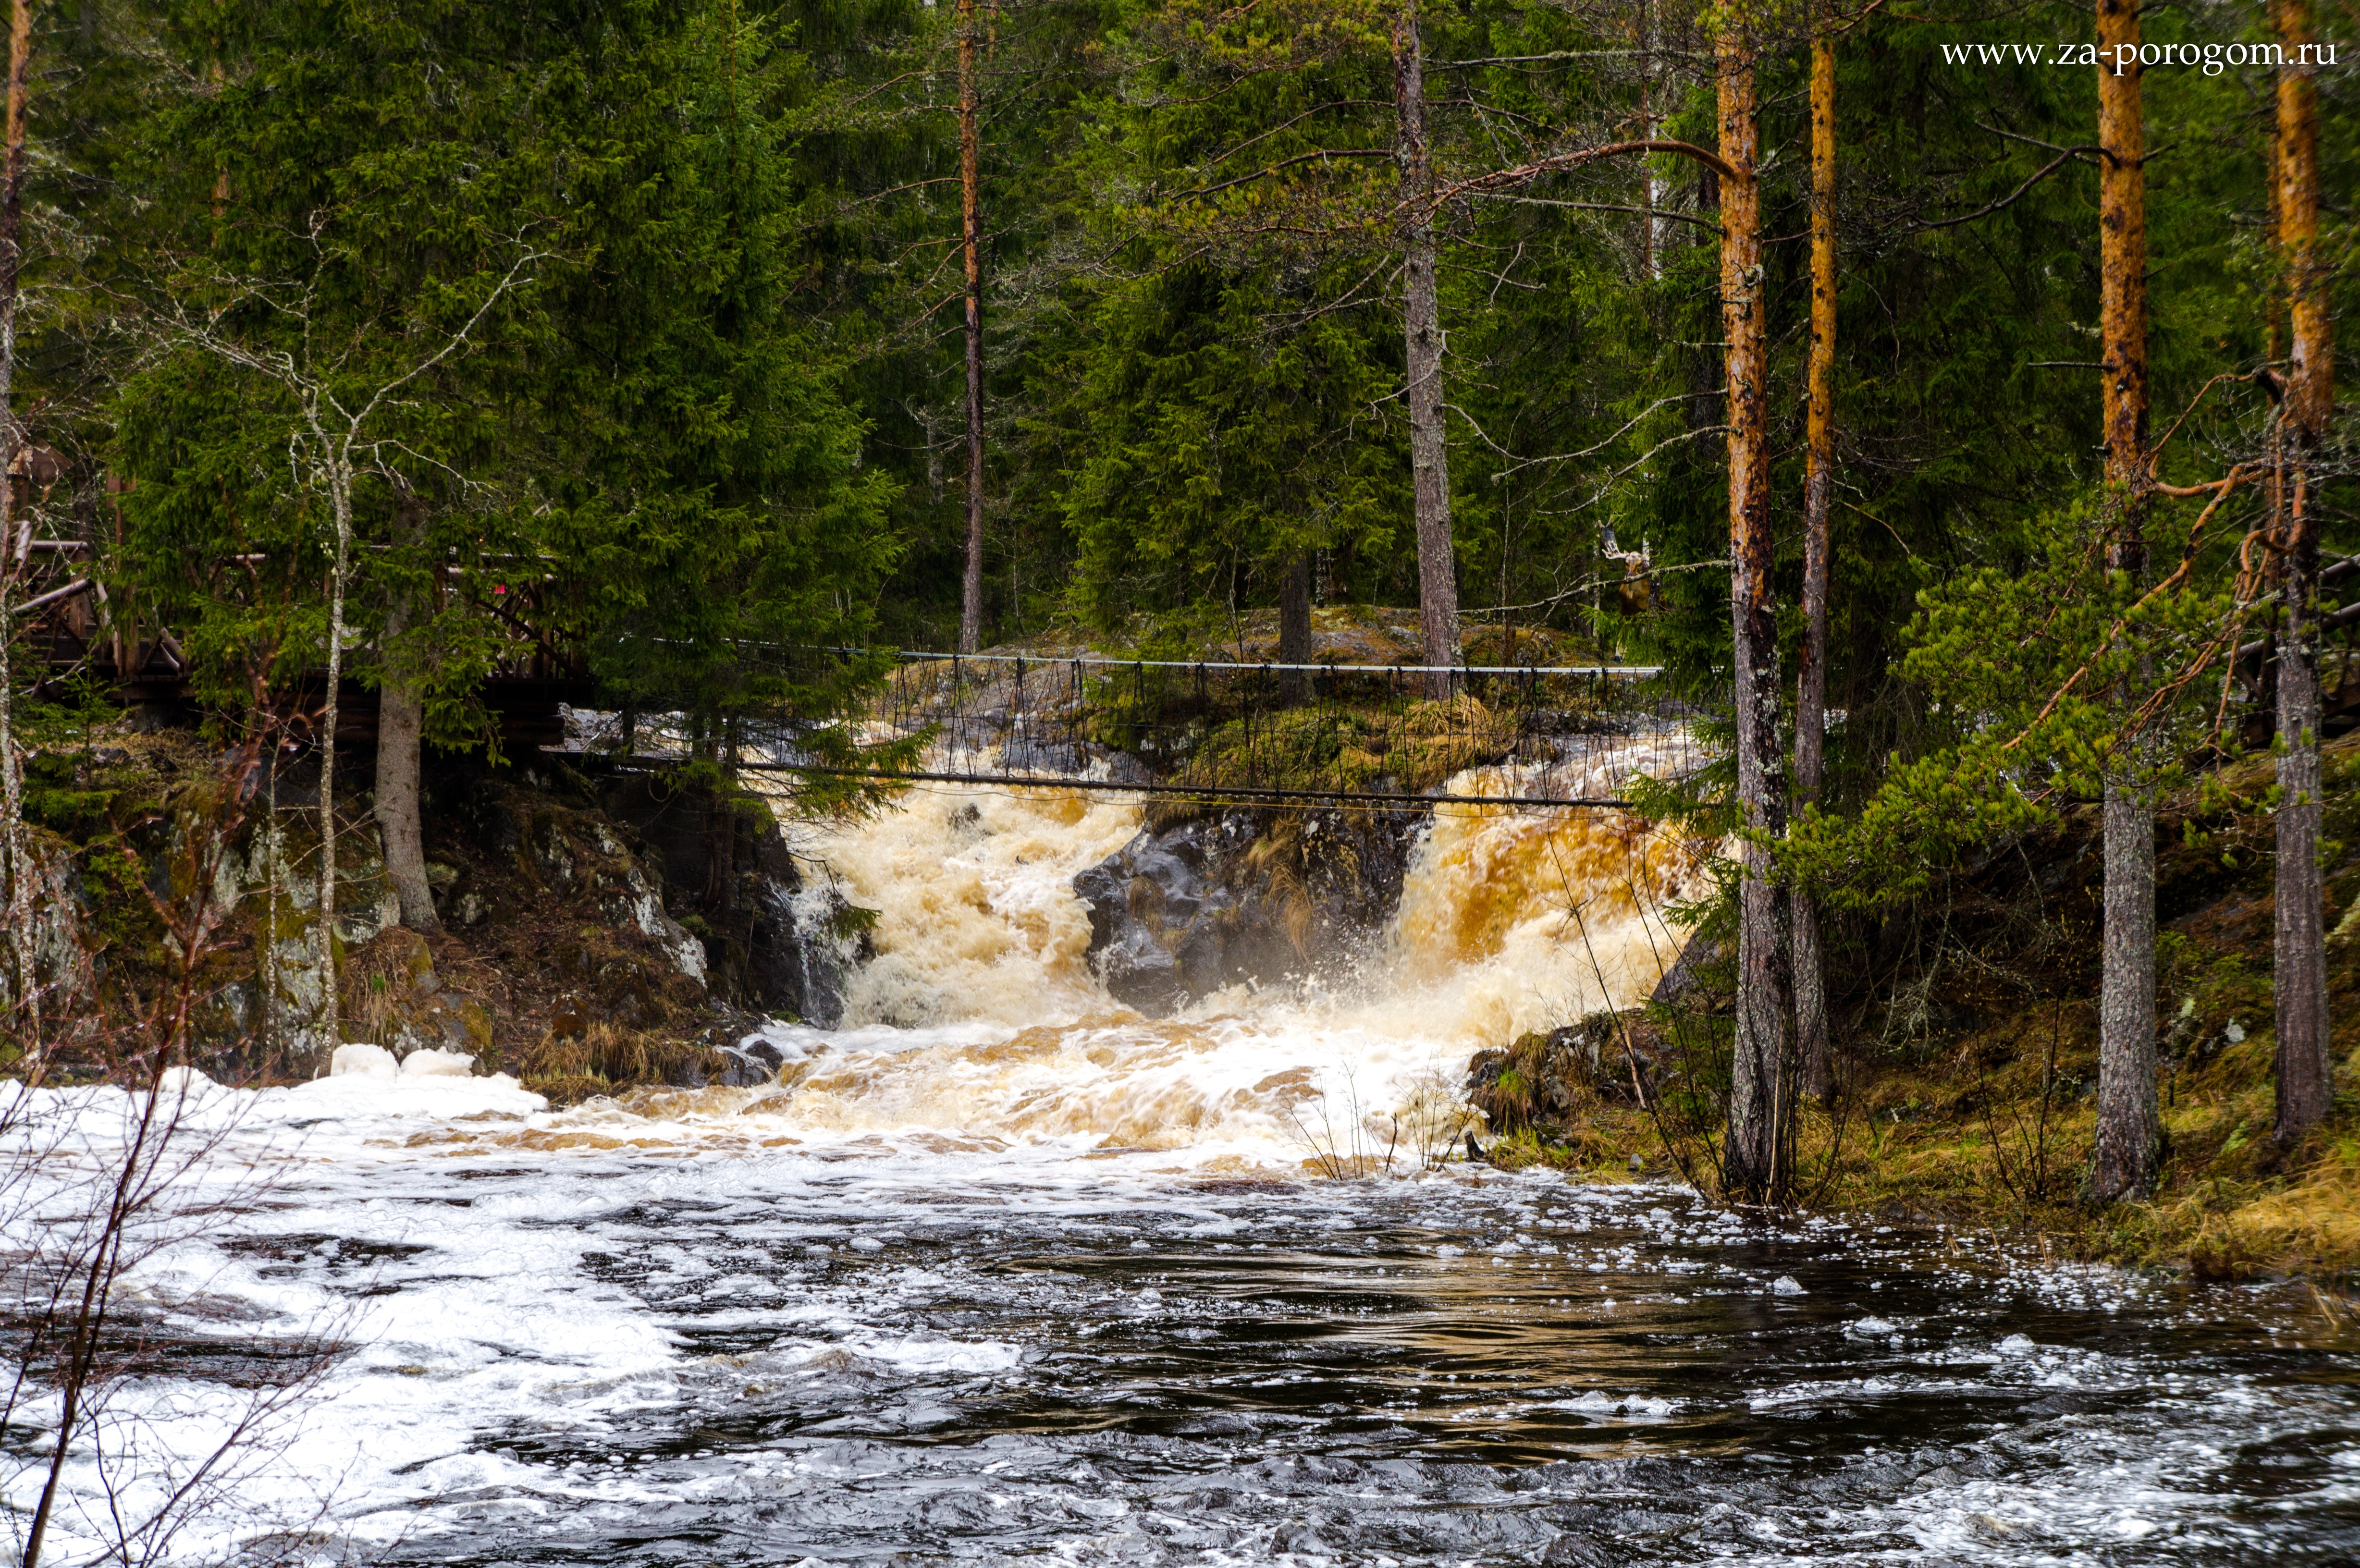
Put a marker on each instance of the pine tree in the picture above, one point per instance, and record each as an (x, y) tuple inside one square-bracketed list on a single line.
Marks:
[(2129, 1121), (2306, 1078)]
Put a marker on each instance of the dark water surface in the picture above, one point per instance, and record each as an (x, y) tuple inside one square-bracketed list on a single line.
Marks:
[(917, 1360)]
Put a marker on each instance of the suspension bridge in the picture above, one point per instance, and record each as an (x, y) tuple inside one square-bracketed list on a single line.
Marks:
[(1216, 732)]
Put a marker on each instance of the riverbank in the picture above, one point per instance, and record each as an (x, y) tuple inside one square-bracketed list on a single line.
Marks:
[(2232, 1207), (1968, 1056)]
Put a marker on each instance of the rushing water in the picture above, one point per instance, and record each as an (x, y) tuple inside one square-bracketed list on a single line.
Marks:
[(999, 1274)]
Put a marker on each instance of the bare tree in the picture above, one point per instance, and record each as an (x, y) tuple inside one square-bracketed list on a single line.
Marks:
[(89, 1197), (1429, 457), (24, 994)]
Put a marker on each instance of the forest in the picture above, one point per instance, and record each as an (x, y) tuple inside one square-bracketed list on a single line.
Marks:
[(736, 734)]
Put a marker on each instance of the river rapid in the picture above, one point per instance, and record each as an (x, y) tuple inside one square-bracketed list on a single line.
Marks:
[(1000, 1272)]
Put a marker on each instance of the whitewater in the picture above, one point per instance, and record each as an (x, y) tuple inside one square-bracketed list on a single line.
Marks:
[(999, 1270)]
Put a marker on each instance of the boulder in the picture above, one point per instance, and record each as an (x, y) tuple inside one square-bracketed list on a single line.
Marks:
[(766, 935), (1700, 980), (575, 852), (1180, 912), (1545, 1081)]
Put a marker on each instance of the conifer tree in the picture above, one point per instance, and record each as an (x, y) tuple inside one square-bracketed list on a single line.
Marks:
[(2129, 1121), (2306, 1080), (1755, 1161), (1818, 483), (1422, 392), (971, 266)]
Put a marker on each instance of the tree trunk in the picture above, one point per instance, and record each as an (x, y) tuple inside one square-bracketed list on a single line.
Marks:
[(1295, 627), (24, 992), (1438, 567), (1650, 194), (971, 244), (340, 506), (2306, 1076), (1755, 1161), (400, 716), (2129, 1125), (1811, 678), (2123, 1163)]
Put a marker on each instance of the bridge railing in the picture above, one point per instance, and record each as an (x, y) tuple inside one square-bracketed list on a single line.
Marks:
[(1272, 732)]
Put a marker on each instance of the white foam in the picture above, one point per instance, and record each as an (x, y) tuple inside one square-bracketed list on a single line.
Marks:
[(432, 1063), (363, 1061)]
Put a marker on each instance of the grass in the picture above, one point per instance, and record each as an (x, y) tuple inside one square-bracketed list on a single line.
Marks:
[(568, 1069), (2000, 1134)]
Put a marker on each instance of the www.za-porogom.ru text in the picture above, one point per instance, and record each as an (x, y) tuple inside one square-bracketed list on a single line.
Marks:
[(2211, 59)]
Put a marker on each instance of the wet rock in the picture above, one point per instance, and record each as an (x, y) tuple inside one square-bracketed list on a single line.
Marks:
[(1241, 897), (577, 852), (1545, 1081), (751, 1063), (1572, 1551), (767, 939)]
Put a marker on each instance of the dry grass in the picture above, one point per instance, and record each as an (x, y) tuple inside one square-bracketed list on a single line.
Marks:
[(570, 1069)]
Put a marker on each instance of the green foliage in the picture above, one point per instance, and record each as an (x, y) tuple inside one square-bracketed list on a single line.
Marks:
[(1222, 443), (2058, 680), (576, 235), (710, 428)]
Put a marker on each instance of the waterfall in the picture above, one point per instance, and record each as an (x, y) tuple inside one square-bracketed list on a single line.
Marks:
[(978, 1015)]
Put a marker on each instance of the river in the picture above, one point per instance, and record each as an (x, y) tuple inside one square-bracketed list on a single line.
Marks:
[(998, 1273)]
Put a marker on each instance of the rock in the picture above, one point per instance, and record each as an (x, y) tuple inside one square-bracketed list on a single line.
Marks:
[(1693, 980), (576, 850), (752, 1063), (763, 934), (363, 1061), (59, 911), (1241, 897), (390, 994), (274, 868), (1043, 756), (1545, 1081)]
